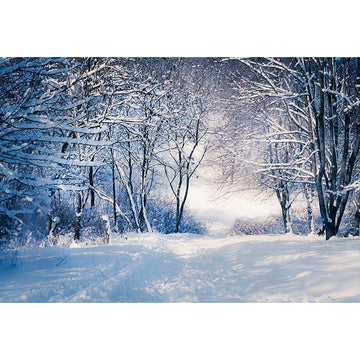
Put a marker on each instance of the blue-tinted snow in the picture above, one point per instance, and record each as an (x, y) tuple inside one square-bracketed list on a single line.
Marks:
[(187, 268)]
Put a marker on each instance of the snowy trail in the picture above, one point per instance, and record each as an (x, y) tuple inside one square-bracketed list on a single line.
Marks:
[(188, 268)]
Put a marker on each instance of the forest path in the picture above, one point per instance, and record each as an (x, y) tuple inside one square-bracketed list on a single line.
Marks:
[(187, 268)]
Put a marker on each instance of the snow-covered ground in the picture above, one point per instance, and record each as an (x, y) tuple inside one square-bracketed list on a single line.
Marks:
[(190, 268), (187, 268)]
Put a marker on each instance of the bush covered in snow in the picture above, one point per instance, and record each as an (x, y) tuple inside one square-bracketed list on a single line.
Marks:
[(162, 217), (272, 225)]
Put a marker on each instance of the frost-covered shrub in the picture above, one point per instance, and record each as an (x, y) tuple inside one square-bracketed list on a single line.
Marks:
[(7, 229), (29, 230), (273, 225), (91, 221), (270, 225), (162, 218), (66, 215), (190, 225)]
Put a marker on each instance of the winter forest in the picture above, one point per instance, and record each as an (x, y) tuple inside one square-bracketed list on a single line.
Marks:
[(179, 179)]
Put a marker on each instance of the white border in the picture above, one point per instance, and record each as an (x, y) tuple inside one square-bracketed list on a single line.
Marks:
[(186, 28)]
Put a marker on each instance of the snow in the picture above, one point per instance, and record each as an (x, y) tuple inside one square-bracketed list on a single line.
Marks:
[(214, 267), (187, 268)]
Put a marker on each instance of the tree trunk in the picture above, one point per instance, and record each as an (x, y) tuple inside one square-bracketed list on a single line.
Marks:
[(130, 197), (77, 225), (286, 219), (49, 224), (178, 205), (114, 191), (107, 231), (181, 209), (330, 230), (143, 219), (91, 182), (357, 222), (310, 218), (357, 216), (284, 200), (48, 230)]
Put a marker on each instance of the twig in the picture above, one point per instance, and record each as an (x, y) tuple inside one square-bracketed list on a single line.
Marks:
[(61, 260)]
